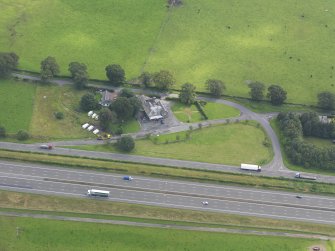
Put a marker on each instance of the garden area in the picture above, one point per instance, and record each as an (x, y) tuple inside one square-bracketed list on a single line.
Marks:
[(191, 114)]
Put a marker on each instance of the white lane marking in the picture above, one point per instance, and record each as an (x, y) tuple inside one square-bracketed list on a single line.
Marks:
[(240, 190)]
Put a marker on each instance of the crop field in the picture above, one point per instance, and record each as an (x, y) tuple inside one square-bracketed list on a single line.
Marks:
[(285, 42), (16, 102), (37, 234), (230, 144)]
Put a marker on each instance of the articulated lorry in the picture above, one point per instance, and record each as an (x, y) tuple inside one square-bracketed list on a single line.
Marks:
[(250, 167), (300, 176), (100, 193)]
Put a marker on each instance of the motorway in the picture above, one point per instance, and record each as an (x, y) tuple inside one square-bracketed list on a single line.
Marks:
[(42, 179)]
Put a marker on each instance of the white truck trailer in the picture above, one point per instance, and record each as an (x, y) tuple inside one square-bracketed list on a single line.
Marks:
[(100, 193), (250, 167)]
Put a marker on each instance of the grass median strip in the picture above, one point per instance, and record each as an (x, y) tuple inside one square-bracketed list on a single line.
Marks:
[(172, 172)]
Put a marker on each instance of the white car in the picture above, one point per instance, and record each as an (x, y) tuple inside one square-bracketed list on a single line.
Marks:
[(205, 203)]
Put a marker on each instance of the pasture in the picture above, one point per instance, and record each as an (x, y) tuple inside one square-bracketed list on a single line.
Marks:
[(16, 102), (96, 33), (38, 234), (283, 42)]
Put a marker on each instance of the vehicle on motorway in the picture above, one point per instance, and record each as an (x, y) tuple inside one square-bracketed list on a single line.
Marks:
[(48, 147), (205, 203), (298, 197), (128, 178), (250, 167), (299, 176), (99, 193)]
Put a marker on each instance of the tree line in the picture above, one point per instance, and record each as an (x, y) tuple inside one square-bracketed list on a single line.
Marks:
[(163, 80), (294, 126)]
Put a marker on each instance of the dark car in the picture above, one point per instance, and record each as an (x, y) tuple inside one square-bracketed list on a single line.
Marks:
[(298, 197), (127, 178)]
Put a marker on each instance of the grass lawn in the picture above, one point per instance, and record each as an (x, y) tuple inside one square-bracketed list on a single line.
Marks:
[(190, 113), (16, 102), (94, 33), (128, 127), (38, 234), (319, 142), (230, 144), (218, 111)]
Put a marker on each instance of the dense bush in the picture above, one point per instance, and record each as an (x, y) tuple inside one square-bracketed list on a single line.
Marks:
[(2, 132), (22, 135), (199, 107), (59, 115), (126, 144)]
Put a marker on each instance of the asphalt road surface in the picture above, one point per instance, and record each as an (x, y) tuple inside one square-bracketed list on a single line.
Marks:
[(54, 180)]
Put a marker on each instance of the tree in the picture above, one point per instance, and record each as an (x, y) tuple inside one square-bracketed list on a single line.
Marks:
[(163, 80), (49, 68), (107, 118), (123, 108), (146, 79), (115, 74), (79, 74), (136, 103), (2, 132), (187, 94), (126, 144), (8, 62), (215, 87), (326, 100), (127, 93), (22, 135), (88, 102), (256, 91), (276, 94)]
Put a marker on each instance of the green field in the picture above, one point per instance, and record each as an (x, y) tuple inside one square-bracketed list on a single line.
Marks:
[(230, 144), (190, 113), (96, 33), (16, 102), (282, 42), (37, 234)]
